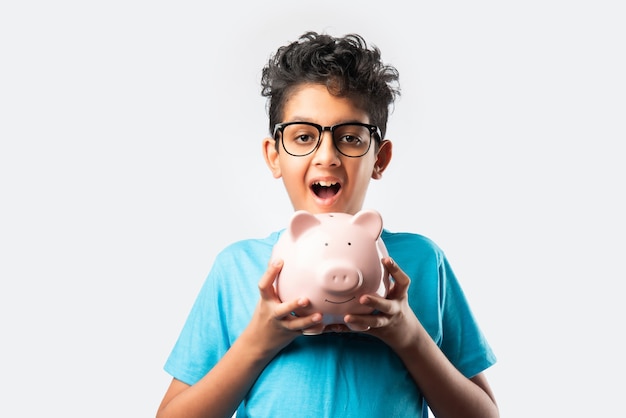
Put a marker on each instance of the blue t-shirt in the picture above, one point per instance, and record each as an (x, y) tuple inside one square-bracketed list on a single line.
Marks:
[(334, 374)]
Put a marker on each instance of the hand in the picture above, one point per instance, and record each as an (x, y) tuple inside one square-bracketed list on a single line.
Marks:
[(395, 322), (272, 323)]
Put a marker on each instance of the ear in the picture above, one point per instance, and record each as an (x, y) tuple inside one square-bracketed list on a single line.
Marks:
[(369, 219), (300, 222), (382, 159), (271, 157)]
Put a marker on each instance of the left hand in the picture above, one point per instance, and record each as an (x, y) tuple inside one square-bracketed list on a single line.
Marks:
[(395, 322)]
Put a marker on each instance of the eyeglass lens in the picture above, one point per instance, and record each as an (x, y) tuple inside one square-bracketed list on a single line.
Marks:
[(351, 140)]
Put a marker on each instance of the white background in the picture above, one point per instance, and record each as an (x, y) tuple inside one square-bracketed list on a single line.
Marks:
[(130, 155)]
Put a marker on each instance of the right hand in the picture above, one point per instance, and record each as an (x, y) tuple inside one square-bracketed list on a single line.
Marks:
[(272, 323)]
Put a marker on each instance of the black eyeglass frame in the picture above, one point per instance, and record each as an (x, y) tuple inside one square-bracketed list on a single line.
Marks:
[(373, 129)]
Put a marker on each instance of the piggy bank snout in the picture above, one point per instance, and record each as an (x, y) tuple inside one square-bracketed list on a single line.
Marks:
[(338, 277)]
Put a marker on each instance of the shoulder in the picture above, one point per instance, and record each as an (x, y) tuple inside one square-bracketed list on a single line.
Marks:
[(409, 243), (247, 257), (251, 247), (238, 267)]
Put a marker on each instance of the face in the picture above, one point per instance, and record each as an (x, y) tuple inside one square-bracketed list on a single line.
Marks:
[(325, 180)]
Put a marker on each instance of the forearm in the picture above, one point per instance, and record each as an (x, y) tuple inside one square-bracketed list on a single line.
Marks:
[(219, 392), (448, 392)]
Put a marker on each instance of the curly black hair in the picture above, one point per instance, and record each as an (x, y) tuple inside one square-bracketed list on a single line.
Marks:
[(347, 66)]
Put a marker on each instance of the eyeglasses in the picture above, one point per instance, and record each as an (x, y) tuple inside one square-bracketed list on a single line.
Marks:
[(302, 138)]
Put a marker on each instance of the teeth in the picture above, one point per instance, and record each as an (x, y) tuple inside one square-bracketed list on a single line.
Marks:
[(326, 183)]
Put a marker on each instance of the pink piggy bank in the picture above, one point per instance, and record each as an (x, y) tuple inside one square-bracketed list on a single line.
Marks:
[(332, 259)]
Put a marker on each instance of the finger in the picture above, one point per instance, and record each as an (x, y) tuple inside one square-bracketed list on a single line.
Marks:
[(356, 327), (302, 323), (400, 278), (361, 323), (314, 330), (284, 312), (287, 308), (266, 283), (377, 303)]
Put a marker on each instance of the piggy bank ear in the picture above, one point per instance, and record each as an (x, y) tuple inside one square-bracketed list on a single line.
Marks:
[(370, 220), (302, 221)]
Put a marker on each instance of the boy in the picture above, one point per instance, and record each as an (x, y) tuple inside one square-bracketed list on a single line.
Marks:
[(328, 107)]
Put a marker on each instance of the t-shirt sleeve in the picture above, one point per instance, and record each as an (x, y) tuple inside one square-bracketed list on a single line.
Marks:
[(462, 341), (203, 339)]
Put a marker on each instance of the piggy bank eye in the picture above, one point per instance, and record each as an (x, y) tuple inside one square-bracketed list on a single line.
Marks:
[(349, 243), (326, 244)]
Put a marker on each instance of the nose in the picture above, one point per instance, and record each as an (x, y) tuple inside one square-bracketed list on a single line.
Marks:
[(326, 154), (341, 278)]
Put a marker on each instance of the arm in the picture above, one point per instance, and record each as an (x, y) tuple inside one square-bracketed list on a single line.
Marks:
[(448, 392), (219, 392)]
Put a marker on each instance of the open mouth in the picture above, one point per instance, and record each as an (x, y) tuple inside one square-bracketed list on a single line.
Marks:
[(325, 189), (339, 303)]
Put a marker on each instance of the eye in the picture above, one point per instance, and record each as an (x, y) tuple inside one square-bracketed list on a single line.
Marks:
[(352, 135), (304, 138), (301, 133), (351, 140)]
